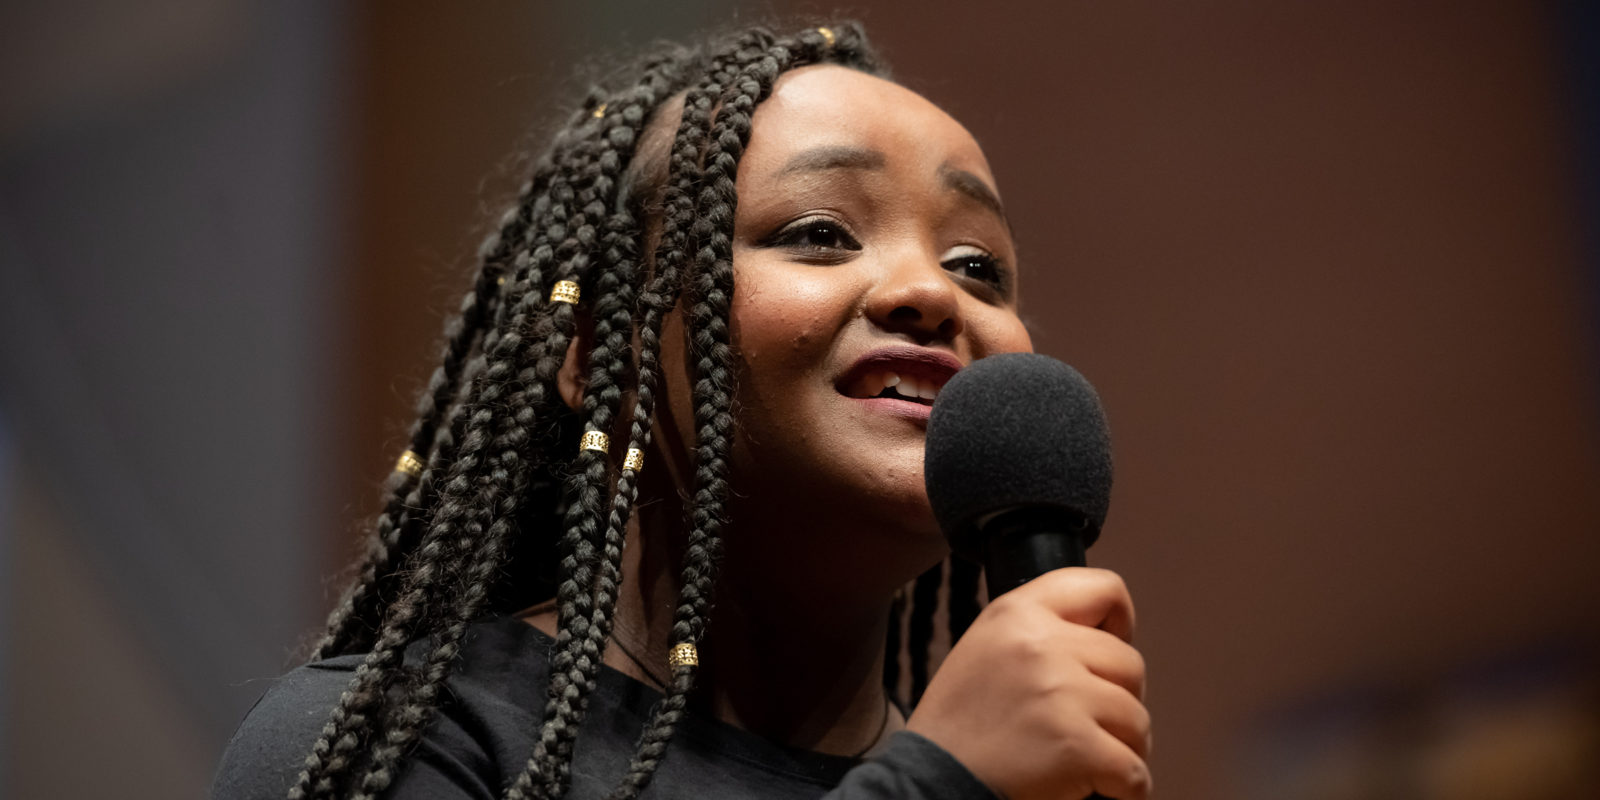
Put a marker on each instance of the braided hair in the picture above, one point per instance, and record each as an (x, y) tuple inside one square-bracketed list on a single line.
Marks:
[(495, 505)]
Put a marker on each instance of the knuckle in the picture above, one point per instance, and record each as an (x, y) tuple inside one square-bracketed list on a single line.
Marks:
[(1136, 667), (1138, 736), (1113, 580), (1128, 773), (1114, 585), (1137, 778), (1011, 620), (1025, 647), (1005, 605), (1142, 721), (996, 607), (1070, 744), (1097, 579)]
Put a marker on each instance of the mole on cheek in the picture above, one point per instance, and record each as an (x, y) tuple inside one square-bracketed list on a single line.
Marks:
[(806, 332)]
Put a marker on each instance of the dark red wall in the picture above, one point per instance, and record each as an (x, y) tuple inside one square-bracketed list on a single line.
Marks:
[(1320, 258)]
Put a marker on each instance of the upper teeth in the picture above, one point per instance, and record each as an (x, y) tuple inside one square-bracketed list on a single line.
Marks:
[(903, 385)]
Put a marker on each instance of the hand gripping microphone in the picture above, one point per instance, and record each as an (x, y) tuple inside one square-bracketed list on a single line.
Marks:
[(1018, 466)]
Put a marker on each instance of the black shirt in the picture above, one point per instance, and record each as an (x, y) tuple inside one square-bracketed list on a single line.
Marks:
[(485, 728)]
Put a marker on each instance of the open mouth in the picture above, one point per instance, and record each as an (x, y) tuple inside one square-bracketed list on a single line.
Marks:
[(912, 375), (890, 384)]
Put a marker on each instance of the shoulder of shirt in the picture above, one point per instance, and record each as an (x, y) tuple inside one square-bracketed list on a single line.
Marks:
[(913, 766), (500, 660)]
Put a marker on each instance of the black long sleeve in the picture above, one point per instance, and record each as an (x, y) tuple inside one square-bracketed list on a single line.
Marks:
[(912, 767), (483, 733)]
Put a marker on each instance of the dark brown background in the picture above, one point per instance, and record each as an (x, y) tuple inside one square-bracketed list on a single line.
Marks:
[(1322, 260)]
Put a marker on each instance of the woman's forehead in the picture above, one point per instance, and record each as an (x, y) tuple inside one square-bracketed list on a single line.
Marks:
[(831, 107)]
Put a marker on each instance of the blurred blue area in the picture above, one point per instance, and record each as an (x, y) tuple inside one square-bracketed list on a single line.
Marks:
[(174, 255), (169, 220), (1580, 33), (7, 521), (1520, 725)]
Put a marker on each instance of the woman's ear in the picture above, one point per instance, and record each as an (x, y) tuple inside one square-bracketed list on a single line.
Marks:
[(574, 375)]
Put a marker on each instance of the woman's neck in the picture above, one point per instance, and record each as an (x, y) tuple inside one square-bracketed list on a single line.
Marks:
[(787, 655)]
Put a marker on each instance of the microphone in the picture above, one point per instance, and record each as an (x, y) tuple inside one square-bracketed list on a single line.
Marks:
[(1018, 466)]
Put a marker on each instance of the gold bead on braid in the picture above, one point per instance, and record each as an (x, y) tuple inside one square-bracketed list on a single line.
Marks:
[(827, 33), (683, 655), (564, 292), (600, 111), (595, 440), (409, 464), (635, 459)]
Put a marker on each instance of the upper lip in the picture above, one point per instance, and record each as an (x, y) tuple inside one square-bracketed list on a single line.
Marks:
[(920, 363)]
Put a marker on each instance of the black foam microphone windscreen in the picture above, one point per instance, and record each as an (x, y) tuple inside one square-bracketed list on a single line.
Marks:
[(1016, 431)]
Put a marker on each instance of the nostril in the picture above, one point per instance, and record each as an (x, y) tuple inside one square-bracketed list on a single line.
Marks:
[(916, 297), (913, 320), (905, 314)]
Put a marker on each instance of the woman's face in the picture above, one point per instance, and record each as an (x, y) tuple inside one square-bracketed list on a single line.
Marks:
[(870, 247)]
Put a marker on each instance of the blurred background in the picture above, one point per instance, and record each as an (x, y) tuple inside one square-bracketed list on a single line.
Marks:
[(1334, 266)]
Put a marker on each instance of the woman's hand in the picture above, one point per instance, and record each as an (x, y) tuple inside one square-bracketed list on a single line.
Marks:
[(1042, 698)]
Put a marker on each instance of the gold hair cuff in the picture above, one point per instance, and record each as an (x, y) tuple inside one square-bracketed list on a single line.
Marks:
[(683, 655), (409, 464), (600, 111), (595, 440), (635, 459), (564, 292), (827, 33), (500, 281)]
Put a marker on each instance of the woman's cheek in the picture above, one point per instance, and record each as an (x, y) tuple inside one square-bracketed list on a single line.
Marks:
[(782, 316), (998, 330)]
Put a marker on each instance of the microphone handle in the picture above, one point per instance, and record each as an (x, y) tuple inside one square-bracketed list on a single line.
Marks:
[(1023, 543)]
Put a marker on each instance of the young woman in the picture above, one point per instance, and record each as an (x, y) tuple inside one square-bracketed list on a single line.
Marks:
[(696, 364)]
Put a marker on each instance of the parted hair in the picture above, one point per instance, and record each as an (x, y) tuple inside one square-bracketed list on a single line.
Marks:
[(507, 510)]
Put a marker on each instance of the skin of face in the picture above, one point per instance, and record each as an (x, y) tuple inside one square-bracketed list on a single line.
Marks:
[(867, 218)]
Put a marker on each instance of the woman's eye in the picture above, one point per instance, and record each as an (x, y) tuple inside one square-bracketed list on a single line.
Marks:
[(816, 236), (977, 264)]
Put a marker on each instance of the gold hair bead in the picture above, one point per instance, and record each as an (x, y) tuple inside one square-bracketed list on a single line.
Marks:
[(635, 459), (409, 464), (683, 655), (600, 112), (564, 292), (595, 440), (827, 33)]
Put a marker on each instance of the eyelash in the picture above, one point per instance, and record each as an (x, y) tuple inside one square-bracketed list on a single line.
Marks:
[(983, 267), (794, 236), (979, 266)]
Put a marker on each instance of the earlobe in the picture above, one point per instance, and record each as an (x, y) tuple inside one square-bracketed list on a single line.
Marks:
[(573, 378)]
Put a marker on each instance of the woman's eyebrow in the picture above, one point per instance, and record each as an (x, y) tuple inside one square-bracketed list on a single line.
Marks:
[(833, 157), (960, 180)]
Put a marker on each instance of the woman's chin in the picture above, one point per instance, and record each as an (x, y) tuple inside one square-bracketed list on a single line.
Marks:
[(897, 518)]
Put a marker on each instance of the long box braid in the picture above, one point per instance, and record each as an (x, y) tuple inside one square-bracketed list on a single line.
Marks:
[(491, 428)]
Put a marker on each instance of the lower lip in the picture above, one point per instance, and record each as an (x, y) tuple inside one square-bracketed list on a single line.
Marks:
[(900, 408)]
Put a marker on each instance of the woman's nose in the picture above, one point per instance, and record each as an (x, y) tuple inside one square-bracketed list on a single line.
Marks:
[(916, 297)]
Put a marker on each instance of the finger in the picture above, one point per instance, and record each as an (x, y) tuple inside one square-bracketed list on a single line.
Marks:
[(1121, 715), (1120, 772), (1108, 657), (1094, 597)]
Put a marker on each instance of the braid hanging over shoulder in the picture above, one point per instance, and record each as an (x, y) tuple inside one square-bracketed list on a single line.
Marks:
[(492, 432)]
